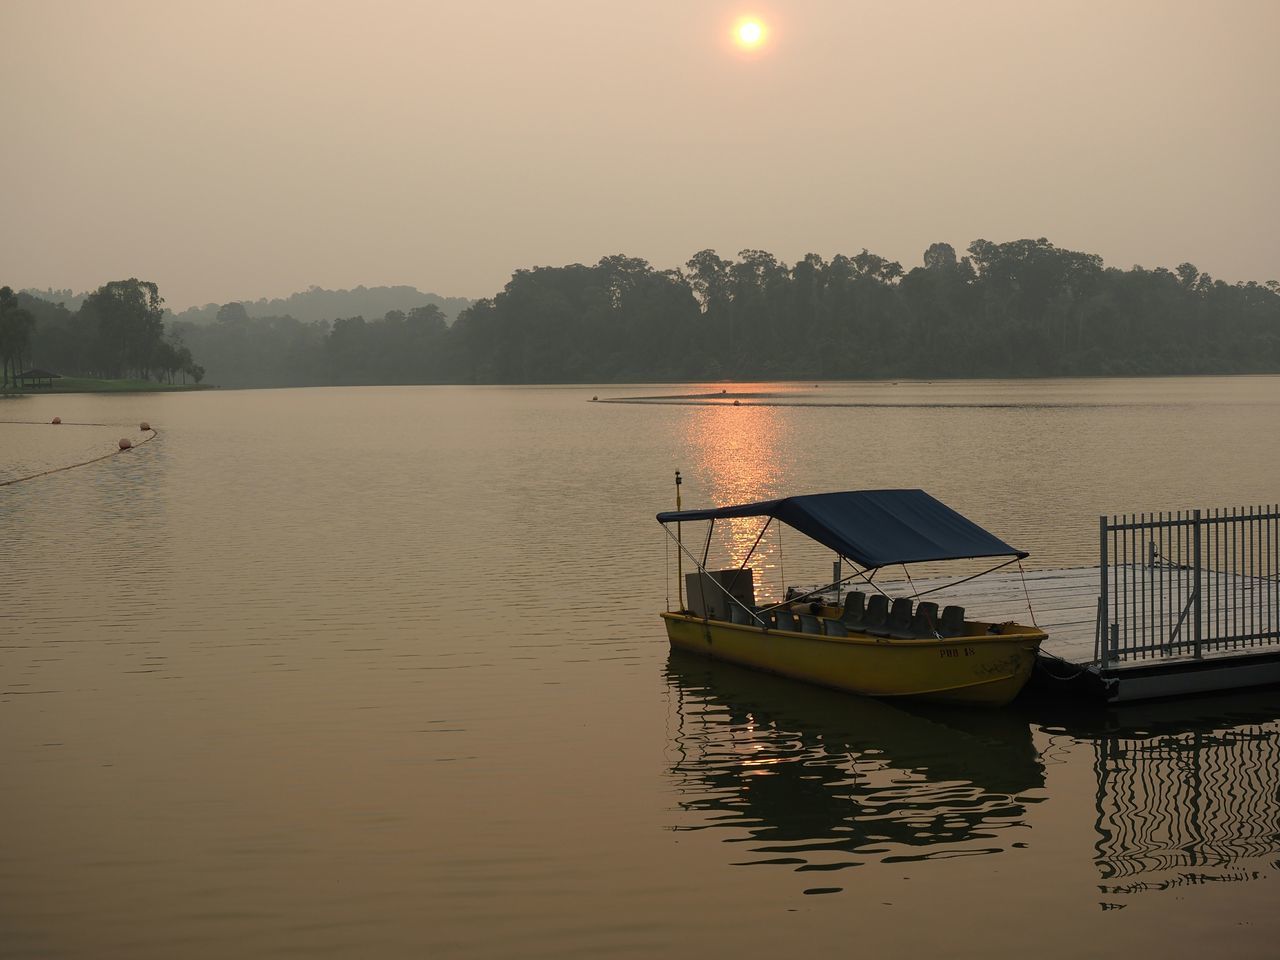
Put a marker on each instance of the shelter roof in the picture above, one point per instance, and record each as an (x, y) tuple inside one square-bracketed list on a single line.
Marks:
[(874, 528)]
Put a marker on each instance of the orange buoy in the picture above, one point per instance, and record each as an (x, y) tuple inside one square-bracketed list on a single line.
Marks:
[(125, 443), (57, 419), (144, 425), (737, 403)]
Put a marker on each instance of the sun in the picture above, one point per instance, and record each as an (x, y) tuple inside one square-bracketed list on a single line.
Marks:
[(748, 33)]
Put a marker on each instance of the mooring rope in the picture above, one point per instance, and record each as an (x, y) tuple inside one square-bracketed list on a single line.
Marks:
[(72, 466), (1044, 658)]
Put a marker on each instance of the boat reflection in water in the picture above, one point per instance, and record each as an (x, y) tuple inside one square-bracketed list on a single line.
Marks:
[(1186, 793), (816, 780), (819, 780)]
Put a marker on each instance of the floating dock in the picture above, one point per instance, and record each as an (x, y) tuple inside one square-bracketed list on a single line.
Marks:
[(1065, 603), (1179, 603)]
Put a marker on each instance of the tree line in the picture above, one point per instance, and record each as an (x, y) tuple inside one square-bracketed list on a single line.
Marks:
[(116, 332), (1017, 309)]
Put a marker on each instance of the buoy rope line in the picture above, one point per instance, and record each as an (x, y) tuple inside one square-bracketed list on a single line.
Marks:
[(44, 473), (59, 423)]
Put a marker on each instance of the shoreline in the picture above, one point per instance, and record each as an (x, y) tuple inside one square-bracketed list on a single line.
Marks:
[(85, 385)]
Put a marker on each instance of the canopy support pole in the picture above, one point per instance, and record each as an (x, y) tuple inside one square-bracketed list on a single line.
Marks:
[(782, 569), (747, 559), (998, 566), (702, 569), (823, 589), (679, 558)]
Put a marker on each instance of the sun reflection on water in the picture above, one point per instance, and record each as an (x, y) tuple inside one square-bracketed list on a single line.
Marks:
[(738, 451)]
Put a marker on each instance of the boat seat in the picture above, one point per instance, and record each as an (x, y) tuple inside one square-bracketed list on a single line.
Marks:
[(855, 608), (952, 622), (925, 622), (835, 628), (877, 612), (900, 617), (809, 623), (786, 620)]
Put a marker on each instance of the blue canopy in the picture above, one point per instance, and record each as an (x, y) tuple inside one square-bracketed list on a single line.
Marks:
[(874, 528)]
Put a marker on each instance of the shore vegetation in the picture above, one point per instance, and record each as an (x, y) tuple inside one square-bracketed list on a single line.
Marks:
[(1020, 309), (1025, 308), (115, 336)]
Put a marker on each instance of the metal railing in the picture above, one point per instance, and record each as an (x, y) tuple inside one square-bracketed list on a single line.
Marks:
[(1188, 583)]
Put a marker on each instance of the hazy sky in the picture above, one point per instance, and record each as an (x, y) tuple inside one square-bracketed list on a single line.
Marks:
[(233, 150)]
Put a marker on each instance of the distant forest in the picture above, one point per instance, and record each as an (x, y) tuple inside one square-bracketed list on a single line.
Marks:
[(314, 303), (317, 303), (1020, 309)]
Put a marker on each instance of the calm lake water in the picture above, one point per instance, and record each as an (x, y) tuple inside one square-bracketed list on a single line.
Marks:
[(379, 673)]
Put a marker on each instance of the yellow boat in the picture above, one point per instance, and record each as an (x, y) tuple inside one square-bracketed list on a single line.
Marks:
[(873, 645)]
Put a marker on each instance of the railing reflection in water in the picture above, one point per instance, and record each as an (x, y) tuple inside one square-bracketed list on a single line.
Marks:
[(820, 781), (1188, 795)]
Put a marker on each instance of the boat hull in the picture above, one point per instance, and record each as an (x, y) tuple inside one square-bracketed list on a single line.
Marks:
[(988, 669)]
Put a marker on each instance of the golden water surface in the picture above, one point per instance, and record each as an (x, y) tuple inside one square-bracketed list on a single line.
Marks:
[(378, 672)]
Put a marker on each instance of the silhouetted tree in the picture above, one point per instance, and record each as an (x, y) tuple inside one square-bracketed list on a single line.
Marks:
[(129, 325), (16, 325)]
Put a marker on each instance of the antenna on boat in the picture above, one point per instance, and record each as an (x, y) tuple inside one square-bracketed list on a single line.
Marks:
[(680, 551)]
